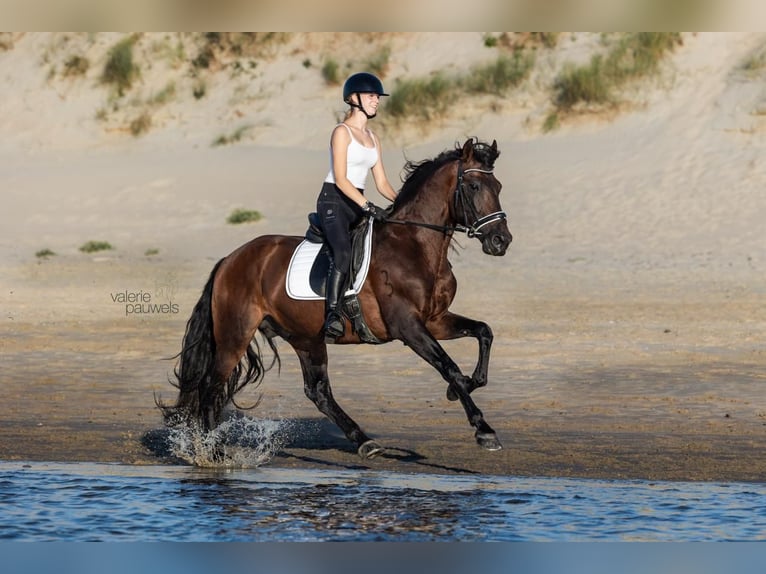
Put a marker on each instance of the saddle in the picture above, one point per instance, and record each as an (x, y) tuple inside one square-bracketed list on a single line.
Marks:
[(314, 252)]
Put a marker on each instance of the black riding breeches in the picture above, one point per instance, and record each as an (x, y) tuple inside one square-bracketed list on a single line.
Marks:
[(338, 215)]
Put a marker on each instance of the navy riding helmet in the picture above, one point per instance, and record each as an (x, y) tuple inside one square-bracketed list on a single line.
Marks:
[(362, 83)]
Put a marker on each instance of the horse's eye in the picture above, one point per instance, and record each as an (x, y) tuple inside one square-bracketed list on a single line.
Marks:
[(474, 186)]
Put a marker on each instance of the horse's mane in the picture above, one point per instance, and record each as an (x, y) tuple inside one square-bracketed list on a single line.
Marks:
[(417, 173)]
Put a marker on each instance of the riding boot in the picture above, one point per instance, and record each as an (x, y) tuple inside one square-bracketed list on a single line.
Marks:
[(333, 325)]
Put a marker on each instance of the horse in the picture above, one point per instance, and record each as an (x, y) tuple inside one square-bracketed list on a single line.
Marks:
[(406, 297)]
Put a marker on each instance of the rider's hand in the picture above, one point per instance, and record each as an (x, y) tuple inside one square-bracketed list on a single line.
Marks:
[(372, 210)]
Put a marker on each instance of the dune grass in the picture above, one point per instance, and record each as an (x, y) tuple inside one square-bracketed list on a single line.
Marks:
[(331, 72), (218, 50), (633, 56), (95, 246), (243, 216), (140, 124), (500, 76), (76, 65), (120, 71), (755, 63), (421, 97), (45, 253), (427, 98), (233, 137), (377, 63)]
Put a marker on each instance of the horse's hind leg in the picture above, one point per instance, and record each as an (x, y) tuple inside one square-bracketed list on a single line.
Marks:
[(316, 385), (235, 327), (215, 397)]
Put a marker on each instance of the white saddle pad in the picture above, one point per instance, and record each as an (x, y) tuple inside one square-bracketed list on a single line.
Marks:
[(298, 284)]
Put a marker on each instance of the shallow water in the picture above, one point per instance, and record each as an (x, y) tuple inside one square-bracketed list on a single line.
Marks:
[(106, 502)]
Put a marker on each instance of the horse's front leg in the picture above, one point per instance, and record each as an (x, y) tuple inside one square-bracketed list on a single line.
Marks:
[(420, 340), (451, 326)]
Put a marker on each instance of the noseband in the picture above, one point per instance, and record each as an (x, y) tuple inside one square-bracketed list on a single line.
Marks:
[(473, 229)]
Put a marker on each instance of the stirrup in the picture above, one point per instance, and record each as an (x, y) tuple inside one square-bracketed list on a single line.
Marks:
[(334, 326)]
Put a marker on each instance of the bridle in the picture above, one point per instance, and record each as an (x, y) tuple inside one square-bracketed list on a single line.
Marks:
[(461, 200)]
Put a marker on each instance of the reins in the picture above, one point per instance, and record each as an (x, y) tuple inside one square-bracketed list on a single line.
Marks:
[(446, 229), (472, 230)]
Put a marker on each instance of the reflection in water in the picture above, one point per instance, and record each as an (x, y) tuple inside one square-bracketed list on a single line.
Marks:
[(76, 502), (350, 510)]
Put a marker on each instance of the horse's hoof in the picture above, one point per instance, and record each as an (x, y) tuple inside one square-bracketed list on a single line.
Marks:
[(451, 394), (370, 449), (488, 441)]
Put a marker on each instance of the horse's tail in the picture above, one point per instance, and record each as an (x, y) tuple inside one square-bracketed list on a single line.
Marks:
[(201, 396)]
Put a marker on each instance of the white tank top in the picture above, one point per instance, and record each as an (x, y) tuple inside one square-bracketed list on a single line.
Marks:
[(359, 161)]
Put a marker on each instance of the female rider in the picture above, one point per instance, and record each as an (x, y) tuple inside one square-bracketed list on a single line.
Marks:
[(354, 152)]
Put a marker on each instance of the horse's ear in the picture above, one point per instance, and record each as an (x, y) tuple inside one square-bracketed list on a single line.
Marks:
[(467, 150), (494, 148)]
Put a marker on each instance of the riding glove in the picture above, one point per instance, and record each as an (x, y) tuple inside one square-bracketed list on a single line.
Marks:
[(372, 210)]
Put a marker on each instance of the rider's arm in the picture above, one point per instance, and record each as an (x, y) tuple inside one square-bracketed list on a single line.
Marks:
[(379, 175)]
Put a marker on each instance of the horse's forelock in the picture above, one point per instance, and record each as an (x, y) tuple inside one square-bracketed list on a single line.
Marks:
[(485, 154)]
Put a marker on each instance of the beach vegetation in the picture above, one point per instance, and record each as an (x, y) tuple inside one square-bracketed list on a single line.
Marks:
[(378, 63), (95, 246), (151, 252), (331, 71), (75, 65), (547, 39), (632, 57), (120, 70), (597, 83), (526, 40), (490, 40), (755, 61), (44, 253), (233, 137), (432, 96), (421, 97), (165, 95), (551, 122), (588, 84), (244, 216), (140, 124), (6, 41), (217, 50), (173, 53), (199, 90), (497, 77)]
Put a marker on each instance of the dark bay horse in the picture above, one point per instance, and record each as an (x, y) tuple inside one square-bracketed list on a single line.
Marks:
[(409, 289)]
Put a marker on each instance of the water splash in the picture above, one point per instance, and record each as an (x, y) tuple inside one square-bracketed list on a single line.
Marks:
[(238, 442)]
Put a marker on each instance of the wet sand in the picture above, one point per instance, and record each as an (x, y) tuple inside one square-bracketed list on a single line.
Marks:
[(620, 382)]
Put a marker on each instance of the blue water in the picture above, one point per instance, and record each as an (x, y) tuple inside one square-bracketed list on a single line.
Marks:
[(105, 502)]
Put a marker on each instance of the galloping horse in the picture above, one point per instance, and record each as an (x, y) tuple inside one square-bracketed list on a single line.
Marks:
[(406, 296)]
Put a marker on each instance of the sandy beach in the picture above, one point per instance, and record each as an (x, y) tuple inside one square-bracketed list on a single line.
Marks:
[(629, 312)]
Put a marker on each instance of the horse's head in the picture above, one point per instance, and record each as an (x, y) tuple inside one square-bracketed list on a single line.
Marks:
[(477, 197)]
